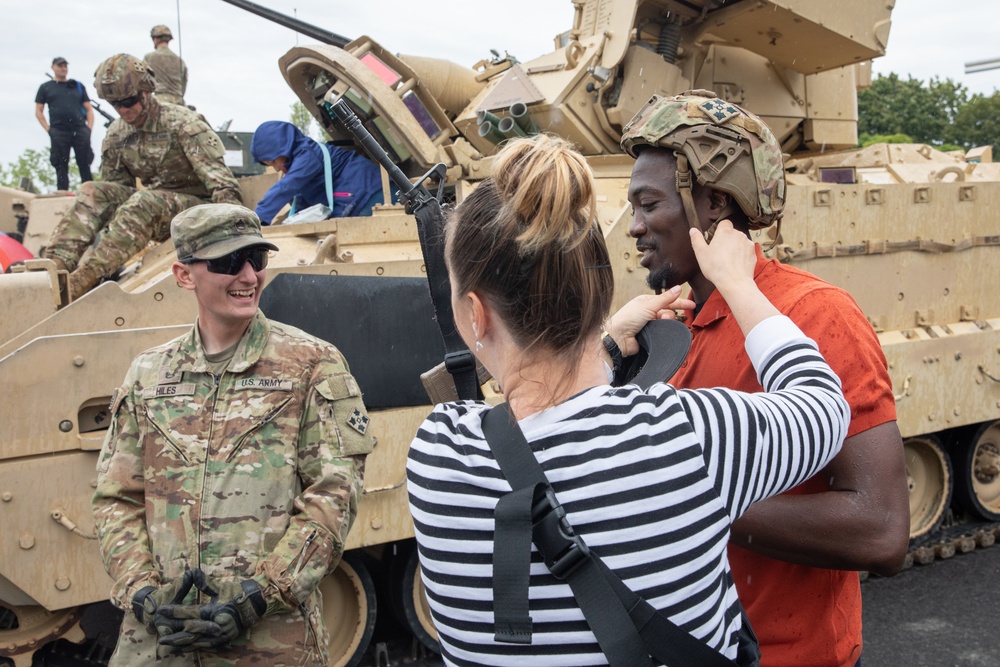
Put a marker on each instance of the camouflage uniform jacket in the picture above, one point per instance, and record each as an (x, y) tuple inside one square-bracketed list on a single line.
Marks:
[(169, 70), (255, 473), (174, 150)]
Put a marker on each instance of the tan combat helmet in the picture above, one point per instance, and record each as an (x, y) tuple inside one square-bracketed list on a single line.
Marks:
[(727, 148), (122, 76), (161, 31)]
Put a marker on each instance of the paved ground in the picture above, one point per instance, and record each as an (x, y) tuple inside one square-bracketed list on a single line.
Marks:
[(943, 615)]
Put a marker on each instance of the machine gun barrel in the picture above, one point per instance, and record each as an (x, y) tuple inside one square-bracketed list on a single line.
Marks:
[(307, 29)]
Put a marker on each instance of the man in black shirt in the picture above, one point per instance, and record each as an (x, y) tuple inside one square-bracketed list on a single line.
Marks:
[(70, 120)]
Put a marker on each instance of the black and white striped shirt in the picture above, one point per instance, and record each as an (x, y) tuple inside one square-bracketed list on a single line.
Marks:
[(651, 480)]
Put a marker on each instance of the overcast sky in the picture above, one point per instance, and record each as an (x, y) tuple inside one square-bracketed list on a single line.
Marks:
[(232, 55)]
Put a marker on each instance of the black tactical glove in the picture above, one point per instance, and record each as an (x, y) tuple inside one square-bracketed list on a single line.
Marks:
[(149, 599), (235, 606), (189, 627)]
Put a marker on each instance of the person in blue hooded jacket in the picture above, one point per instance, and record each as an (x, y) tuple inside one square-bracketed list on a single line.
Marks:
[(357, 183)]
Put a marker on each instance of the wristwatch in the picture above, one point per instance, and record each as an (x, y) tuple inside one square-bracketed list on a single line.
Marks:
[(616, 353)]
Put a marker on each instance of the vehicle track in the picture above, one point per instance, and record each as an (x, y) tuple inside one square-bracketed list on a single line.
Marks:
[(949, 540)]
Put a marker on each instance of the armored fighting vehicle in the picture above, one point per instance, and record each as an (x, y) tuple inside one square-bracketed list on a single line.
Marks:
[(904, 228)]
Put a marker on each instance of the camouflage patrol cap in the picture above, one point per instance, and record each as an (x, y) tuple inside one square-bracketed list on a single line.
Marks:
[(161, 31), (121, 76), (728, 148), (208, 231)]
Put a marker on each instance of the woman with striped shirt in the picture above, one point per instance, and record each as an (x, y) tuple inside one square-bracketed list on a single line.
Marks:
[(651, 479)]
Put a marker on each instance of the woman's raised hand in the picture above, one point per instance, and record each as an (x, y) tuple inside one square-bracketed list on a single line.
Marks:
[(632, 317)]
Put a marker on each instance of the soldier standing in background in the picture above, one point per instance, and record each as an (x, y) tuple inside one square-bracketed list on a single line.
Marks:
[(71, 119), (170, 71), (175, 154), (236, 455)]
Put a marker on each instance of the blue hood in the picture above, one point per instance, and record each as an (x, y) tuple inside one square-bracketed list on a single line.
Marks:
[(356, 181), (276, 138)]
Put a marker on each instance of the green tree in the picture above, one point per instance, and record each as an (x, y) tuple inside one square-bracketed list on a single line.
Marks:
[(951, 97), (865, 139), (940, 113), (893, 106), (978, 121), (301, 118), (34, 164)]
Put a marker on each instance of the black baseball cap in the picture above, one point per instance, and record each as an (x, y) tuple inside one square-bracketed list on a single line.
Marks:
[(59, 60)]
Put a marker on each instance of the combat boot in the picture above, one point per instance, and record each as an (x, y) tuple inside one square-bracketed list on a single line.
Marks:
[(81, 281)]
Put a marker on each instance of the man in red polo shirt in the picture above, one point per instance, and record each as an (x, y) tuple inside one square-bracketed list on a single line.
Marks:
[(794, 557)]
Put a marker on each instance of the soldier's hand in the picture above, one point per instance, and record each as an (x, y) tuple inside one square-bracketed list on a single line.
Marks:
[(147, 601), (238, 606), (235, 606), (186, 628)]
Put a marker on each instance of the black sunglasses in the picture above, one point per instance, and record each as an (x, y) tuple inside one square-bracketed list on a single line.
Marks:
[(232, 263), (127, 102)]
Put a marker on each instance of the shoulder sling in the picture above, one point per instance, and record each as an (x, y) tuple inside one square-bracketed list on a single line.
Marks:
[(628, 629)]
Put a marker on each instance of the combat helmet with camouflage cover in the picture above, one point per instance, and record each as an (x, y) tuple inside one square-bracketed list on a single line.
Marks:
[(122, 76), (161, 31), (726, 147)]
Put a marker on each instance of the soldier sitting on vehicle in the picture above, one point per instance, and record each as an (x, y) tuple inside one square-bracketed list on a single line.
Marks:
[(169, 148)]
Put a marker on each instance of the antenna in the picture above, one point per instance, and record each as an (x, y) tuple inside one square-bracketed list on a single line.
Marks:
[(180, 44)]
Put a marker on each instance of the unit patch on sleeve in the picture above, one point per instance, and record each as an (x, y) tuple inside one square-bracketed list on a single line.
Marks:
[(358, 421)]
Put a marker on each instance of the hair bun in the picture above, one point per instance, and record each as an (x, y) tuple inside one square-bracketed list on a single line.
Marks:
[(549, 192)]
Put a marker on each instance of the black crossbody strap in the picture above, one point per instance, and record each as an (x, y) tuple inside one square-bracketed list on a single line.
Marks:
[(661, 636), (607, 616), (615, 633), (511, 566), (627, 627)]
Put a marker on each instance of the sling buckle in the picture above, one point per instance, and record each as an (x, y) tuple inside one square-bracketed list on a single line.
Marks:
[(562, 549)]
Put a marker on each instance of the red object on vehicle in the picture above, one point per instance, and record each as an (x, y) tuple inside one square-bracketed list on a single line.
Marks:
[(11, 251)]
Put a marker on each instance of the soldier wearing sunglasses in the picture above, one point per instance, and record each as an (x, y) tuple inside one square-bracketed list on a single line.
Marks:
[(170, 149), (235, 459)]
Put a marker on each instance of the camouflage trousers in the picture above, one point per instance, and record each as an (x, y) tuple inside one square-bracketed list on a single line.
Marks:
[(127, 218)]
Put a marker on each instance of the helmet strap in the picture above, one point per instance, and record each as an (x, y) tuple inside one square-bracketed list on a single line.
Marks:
[(726, 214), (777, 235), (147, 107), (684, 188)]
